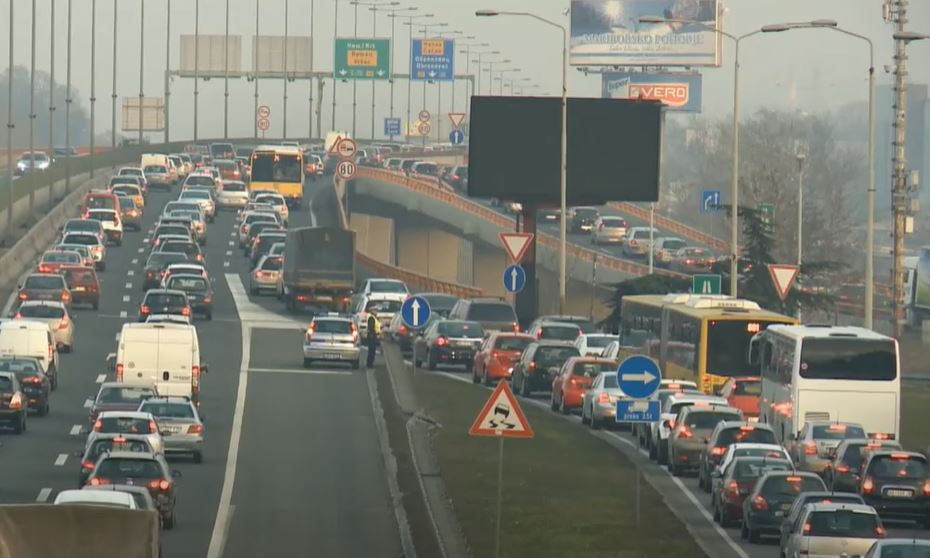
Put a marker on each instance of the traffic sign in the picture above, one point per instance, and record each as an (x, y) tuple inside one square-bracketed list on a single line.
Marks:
[(392, 126), (456, 118), (514, 278), (502, 416), (766, 212), (346, 148), (424, 128), (264, 124), (263, 111), (432, 59), (783, 276), (705, 284), (456, 137), (710, 201), (346, 169), (362, 59), (515, 243), (637, 410), (638, 376), (424, 115), (415, 312)]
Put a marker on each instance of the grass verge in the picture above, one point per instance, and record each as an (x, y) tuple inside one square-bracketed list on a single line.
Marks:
[(915, 428), (565, 493)]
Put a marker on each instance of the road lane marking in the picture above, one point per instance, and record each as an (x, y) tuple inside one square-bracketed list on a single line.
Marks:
[(141, 250), (232, 242), (225, 264), (76, 429), (43, 495), (130, 273), (229, 252), (302, 371), (61, 459), (135, 261), (126, 298), (101, 378), (88, 403), (232, 235), (128, 285), (123, 314)]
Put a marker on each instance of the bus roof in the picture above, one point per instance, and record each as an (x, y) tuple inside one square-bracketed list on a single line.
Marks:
[(826, 331), (282, 149)]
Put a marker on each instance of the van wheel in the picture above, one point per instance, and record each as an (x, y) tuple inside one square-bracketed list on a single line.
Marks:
[(307, 362), (43, 412), (95, 305), (169, 521), (198, 457)]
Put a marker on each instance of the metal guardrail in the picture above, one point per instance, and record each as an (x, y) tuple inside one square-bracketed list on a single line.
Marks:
[(673, 226)]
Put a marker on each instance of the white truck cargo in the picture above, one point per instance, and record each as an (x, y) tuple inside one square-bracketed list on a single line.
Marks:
[(166, 355)]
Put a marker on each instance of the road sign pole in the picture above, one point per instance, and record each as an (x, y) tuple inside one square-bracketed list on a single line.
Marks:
[(500, 495), (639, 483)]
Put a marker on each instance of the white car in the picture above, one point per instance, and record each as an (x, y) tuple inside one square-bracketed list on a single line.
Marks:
[(234, 194), (592, 344), (276, 201), (386, 305), (56, 315), (107, 499), (112, 224), (202, 197), (386, 287), (127, 422)]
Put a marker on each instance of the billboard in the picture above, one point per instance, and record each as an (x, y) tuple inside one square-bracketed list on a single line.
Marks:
[(268, 56), (677, 91), (609, 33), (211, 56), (432, 60), (614, 149), (153, 114)]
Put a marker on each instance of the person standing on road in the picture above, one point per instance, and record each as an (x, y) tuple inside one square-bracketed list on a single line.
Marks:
[(373, 334)]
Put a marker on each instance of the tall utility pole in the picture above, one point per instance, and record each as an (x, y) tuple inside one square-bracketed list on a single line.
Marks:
[(226, 76), (899, 193), (255, 60), (141, 64), (284, 112), (9, 129), (51, 87), (32, 116), (167, 70), (113, 79), (197, 64), (355, 81), (310, 99), (93, 80), (335, 36), (67, 95)]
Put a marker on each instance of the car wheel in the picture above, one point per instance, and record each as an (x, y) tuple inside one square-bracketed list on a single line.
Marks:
[(486, 378), (355, 364), (54, 382), (584, 416), (119, 241), (672, 467), (724, 517), (753, 535), (102, 266), (593, 421), (552, 404), (68, 348), (744, 530), (95, 305), (307, 362), (198, 457), (253, 290), (43, 412), (662, 453), (209, 316), (430, 360), (562, 408), (20, 426), (701, 479), (169, 522), (653, 454)]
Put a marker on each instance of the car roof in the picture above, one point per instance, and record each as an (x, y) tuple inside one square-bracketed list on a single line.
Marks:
[(125, 385), (711, 409), (168, 399), (755, 445), (166, 291), (836, 506), (140, 455), (722, 425)]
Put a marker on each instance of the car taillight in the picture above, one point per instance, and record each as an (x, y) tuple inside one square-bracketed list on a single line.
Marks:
[(810, 448), (23, 295), (199, 257), (207, 299), (186, 311), (402, 329), (44, 268), (603, 397), (807, 528), (733, 488), (868, 485), (718, 450), (927, 487), (880, 531), (119, 372), (153, 428), (98, 425), (539, 334), (195, 429), (32, 380), (17, 401), (685, 433), (633, 242), (759, 503), (162, 485), (51, 352), (97, 481), (144, 309), (441, 341), (842, 468), (87, 464), (671, 424)]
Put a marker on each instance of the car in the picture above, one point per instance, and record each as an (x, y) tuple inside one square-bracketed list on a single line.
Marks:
[(386, 287), (277, 249), (204, 198), (131, 180), (95, 498), (609, 230), (574, 379), (899, 548), (276, 201), (593, 344), (90, 226), (448, 342), (156, 266), (56, 315), (266, 274), (186, 246), (183, 205), (724, 435), (549, 215), (44, 286), (811, 448), (118, 396), (263, 243), (140, 495), (744, 392), (184, 268), (646, 434), (174, 230), (692, 260), (164, 301), (331, 338), (497, 355), (194, 221), (180, 423), (132, 191), (158, 175), (106, 443), (36, 386), (385, 306), (663, 252), (539, 364), (584, 323), (747, 449), (897, 484), (556, 331), (583, 219), (87, 259), (254, 218), (844, 471), (689, 433), (733, 484), (52, 260), (13, 404), (631, 342), (147, 469), (831, 529), (494, 314), (599, 404), (805, 498), (32, 161), (199, 291), (234, 194), (133, 171), (638, 241), (130, 214), (457, 178), (127, 422), (112, 224), (425, 168), (229, 169), (97, 247), (771, 498), (199, 178)]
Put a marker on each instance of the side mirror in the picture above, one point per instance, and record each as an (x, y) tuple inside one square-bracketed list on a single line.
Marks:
[(111, 362), (706, 441), (175, 474), (205, 368), (203, 417)]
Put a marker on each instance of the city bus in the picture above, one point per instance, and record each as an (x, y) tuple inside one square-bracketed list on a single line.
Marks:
[(828, 373), (279, 168), (702, 338)]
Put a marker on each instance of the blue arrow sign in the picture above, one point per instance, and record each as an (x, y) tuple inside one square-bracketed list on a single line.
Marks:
[(632, 410), (514, 278), (432, 59), (639, 376), (415, 312), (710, 201), (456, 137), (392, 126)]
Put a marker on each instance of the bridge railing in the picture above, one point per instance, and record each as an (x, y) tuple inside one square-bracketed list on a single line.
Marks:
[(671, 225)]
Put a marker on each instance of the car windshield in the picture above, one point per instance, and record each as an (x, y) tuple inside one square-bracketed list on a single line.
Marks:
[(610, 381), (470, 330), (389, 306), (99, 447), (550, 356), (837, 431), (79, 276), (560, 332), (41, 311), (708, 419), (195, 195), (187, 283), (272, 264), (332, 326), (179, 246), (491, 312), (898, 466), (124, 425), (746, 434), (127, 189), (199, 181), (61, 257), (131, 172), (168, 410), (270, 200), (23, 365), (755, 468), (83, 225), (156, 169), (388, 287), (791, 485), (44, 282), (842, 524), (94, 202), (748, 387), (165, 299), (673, 244), (593, 368), (586, 213), (909, 549), (509, 343), (613, 222), (124, 394), (172, 229), (116, 467), (162, 259), (598, 340)]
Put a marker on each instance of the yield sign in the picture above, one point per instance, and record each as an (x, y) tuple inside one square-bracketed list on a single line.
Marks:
[(516, 244), (456, 118), (783, 275), (502, 416)]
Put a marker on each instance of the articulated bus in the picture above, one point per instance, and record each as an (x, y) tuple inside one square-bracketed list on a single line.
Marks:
[(703, 338), (279, 168), (828, 373)]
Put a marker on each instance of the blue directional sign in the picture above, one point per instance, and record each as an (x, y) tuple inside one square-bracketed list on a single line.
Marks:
[(514, 278), (432, 59), (415, 312), (639, 376), (633, 410), (392, 126), (456, 137), (710, 201)]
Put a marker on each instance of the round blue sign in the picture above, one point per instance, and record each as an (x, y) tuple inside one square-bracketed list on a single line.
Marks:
[(638, 376), (415, 312), (514, 278), (456, 137)]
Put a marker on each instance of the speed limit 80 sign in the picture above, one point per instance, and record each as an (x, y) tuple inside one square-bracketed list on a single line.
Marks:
[(346, 169)]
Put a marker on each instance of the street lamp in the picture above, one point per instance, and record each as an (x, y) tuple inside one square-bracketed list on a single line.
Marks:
[(410, 25), (373, 8), (480, 53), (394, 14), (563, 233), (800, 156), (467, 53), (514, 70)]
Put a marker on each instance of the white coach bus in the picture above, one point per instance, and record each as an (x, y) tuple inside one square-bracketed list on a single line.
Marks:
[(832, 373)]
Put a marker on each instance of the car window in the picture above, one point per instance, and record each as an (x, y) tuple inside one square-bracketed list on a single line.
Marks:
[(99, 447), (598, 341), (18, 365), (124, 394), (613, 222), (563, 333), (389, 306), (755, 469), (234, 187), (592, 368), (155, 169), (512, 343), (60, 257), (791, 485), (83, 239), (748, 387), (837, 431), (332, 326), (491, 312), (708, 419), (125, 425), (610, 381), (168, 410), (842, 524), (163, 299), (898, 466), (187, 284), (44, 282), (745, 434), (272, 264), (79, 276), (553, 355), (41, 311), (116, 467), (103, 216), (196, 195), (460, 329)]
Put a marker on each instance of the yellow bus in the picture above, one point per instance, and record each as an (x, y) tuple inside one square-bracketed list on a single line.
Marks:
[(696, 337), (279, 168)]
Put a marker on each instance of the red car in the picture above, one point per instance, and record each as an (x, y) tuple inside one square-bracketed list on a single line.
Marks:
[(743, 393), (83, 284), (497, 356), (53, 260), (575, 379)]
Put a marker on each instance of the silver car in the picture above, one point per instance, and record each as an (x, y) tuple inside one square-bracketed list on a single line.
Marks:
[(899, 548), (609, 229), (127, 422), (180, 423), (56, 315), (234, 194), (204, 198), (599, 404), (665, 249), (834, 530), (331, 338), (813, 446), (637, 242), (689, 434), (265, 275)]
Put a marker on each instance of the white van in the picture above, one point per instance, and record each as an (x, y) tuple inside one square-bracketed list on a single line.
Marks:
[(32, 338), (164, 354), (110, 499)]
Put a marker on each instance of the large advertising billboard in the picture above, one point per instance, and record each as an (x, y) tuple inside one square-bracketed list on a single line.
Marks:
[(208, 58), (677, 91), (610, 33)]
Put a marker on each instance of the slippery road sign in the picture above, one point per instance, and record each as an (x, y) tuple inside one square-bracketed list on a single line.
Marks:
[(502, 416)]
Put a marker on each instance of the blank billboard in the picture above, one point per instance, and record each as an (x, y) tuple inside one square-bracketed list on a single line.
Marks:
[(614, 149), (268, 56), (210, 57), (153, 114)]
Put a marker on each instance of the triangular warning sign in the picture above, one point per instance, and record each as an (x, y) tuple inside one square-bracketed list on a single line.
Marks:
[(456, 118), (783, 275), (502, 416), (516, 244), (332, 148)]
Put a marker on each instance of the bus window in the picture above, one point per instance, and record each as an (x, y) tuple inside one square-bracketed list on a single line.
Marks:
[(727, 344), (848, 359)]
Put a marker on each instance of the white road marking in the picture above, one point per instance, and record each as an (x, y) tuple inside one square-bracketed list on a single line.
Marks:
[(130, 273), (61, 459), (43, 495), (229, 252), (128, 285), (145, 240), (123, 314), (117, 337), (76, 429), (135, 261), (88, 403), (225, 264), (126, 298), (233, 235), (141, 250), (151, 231), (232, 242), (101, 378), (302, 371)]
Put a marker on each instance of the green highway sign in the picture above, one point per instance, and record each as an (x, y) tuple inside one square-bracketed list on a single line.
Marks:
[(768, 212), (705, 284), (362, 59)]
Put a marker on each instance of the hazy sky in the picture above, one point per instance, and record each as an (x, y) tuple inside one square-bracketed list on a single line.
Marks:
[(808, 70)]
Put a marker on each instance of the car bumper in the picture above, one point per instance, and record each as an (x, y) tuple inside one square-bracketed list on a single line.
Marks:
[(265, 284), (610, 239), (64, 337), (454, 356), (114, 235), (686, 457), (134, 222), (605, 411), (902, 508), (232, 202), (183, 444), (36, 396), (6, 415), (329, 352), (766, 522), (814, 465)]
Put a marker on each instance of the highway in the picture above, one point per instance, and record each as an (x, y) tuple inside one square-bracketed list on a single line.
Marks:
[(305, 470)]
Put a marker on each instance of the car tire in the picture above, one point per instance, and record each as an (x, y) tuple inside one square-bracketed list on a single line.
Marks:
[(701, 484), (653, 453), (20, 426), (169, 522), (307, 362), (724, 517), (485, 378), (753, 535), (119, 242), (102, 266), (355, 364), (430, 360), (744, 530), (593, 421), (673, 468), (54, 382), (563, 410), (95, 305), (662, 454), (68, 348), (209, 316), (552, 404)]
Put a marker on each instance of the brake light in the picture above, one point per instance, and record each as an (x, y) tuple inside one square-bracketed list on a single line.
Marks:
[(810, 448), (44, 268), (207, 299), (868, 485), (603, 397), (533, 365), (162, 485), (186, 311), (199, 257), (17, 401), (153, 428), (402, 329), (927, 487), (98, 425), (195, 429), (633, 242), (759, 503), (87, 464), (355, 332), (23, 295), (144, 309), (97, 481), (880, 531), (671, 424), (881, 436), (119, 372), (63, 324), (807, 528), (441, 341), (32, 380), (718, 450), (747, 428), (516, 327), (539, 334), (685, 432), (733, 488), (842, 468), (259, 273)]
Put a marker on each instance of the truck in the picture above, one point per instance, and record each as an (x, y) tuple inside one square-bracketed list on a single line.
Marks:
[(79, 532), (319, 269)]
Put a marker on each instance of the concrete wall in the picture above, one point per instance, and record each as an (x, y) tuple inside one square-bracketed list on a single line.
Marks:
[(374, 236), (428, 251)]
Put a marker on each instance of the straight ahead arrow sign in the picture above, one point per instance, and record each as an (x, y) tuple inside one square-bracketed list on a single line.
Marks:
[(416, 313), (645, 377)]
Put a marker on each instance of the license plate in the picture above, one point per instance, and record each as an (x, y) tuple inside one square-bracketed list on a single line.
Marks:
[(332, 356), (173, 429), (894, 493), (779, 513), (78, 289), (752, 419)]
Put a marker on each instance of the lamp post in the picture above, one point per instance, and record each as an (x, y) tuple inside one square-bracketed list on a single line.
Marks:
[(141, 63), (800, 156), (373, 8), (563, 233), (167, 70), (32, 115), (226, 74), (477, 87), (93, 81), (335, 35), (505, 71), (441, 36), (409, 23), (394, 14), (51, 87), (452, 101), (467, 53), (10, 125), (113, 85), (491, 73), (197, 64), (255, 62), (284, 67)]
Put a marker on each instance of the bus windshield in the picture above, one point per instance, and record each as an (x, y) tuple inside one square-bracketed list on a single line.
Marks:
[(727, 344), (848, 359), (268, 166)]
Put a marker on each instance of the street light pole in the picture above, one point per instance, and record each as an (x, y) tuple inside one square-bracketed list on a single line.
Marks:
[(310, 99), (800, 157), (335, 36), (51, 87), (67, 98), (167, 71), (141, 63), (113, 85), (32, 115), (93, 80), (284, 119), (255, 61), (10, 125), (226, 76), (394, 14), (197, 64)]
